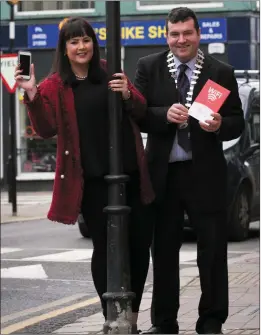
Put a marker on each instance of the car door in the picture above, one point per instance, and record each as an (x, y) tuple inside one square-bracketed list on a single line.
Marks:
[(254, 159)]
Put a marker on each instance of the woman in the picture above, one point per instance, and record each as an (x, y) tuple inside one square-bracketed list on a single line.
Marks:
[(72, 104)]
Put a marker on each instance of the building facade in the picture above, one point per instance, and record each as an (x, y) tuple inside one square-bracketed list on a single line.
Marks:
[(229, 30)]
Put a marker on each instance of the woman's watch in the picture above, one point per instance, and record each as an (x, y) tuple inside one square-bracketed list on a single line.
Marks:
[(129, 95)]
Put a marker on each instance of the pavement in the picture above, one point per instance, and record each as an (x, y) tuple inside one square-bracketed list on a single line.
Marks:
[(30, 206), (244, 317)]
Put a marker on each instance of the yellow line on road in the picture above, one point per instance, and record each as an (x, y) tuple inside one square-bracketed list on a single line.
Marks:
[(39, 308), (26, 323)]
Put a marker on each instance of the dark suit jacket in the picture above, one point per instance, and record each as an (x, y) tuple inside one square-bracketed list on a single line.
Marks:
[(154, 81)]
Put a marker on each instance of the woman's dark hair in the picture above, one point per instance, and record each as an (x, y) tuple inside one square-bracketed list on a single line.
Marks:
[(75, 27), (181, 14)]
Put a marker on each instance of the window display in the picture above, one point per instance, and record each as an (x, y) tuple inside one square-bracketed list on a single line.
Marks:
[(35, 154)]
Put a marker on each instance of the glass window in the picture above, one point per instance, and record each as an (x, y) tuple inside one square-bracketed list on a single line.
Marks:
[(255, 119), (35, 154), (51, 6), (1, 131), (165, 4)]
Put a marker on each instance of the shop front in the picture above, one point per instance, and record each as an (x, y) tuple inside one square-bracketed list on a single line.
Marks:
[(36, 156)]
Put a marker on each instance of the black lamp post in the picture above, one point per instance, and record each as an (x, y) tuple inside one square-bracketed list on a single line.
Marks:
[(118, 295), (12, 156)]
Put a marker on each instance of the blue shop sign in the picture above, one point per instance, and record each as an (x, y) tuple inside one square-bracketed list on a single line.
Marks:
[(20, 37), (42, 36), (154, 32), (213, 30), (151, 32), (135, 33)]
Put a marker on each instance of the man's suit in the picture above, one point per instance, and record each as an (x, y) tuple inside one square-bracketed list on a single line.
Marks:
[(198, 187)]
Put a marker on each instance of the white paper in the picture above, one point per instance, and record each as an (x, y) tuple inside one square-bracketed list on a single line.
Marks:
[(200, 112)]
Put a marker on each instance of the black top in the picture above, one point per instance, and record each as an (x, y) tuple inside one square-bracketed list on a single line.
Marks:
[(91, 104)]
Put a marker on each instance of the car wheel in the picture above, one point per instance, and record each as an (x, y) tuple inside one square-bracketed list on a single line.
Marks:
[(240, 218), (83, 227)]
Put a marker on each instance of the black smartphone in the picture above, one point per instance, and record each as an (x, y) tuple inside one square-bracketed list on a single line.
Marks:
[(114, 78)]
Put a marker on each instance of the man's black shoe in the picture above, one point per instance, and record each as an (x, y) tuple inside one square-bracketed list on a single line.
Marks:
[(162, 330), (210, 330)]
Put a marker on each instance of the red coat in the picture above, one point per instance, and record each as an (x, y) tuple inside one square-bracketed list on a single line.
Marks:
[(52, 112)]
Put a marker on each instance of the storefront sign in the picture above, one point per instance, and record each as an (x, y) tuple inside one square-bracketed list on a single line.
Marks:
[(213, 30), (42, 36), (20, 42), (216, 48), (132, 33)]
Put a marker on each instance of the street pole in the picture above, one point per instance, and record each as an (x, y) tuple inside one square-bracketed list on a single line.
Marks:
[(12, 157), (118, 295)]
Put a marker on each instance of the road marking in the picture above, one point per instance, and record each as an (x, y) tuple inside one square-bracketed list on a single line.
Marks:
[(84, 256), (43, 260), (29, 322), (32, 310), (64, 280), (67, 256), (7, 250), (35, 271)]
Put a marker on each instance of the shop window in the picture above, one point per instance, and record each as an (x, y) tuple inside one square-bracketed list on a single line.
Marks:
[(255, 119), (164, 4), (1, 131), (35, 154), (52, 7)]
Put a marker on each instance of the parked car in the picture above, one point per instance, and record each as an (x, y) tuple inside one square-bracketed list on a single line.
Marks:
[(243, 162)]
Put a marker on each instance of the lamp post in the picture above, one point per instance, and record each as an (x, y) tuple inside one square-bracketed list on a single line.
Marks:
[(118, 295), (12, 157)]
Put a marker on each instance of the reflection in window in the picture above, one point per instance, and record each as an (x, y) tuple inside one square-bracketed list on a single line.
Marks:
[(29, 6), (166, 2), (35, 154), (188, 3)]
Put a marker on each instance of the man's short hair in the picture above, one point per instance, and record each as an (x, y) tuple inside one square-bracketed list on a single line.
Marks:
[(182, 14)]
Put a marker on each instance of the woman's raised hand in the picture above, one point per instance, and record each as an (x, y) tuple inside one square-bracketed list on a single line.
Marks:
[(27, 85)]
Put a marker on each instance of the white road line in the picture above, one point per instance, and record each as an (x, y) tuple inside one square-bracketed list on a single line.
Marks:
[(67, 256), (44, 260), (84, 256), (35, 271), (7, 250)]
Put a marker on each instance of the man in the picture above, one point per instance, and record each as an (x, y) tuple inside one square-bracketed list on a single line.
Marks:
[(188, 170)]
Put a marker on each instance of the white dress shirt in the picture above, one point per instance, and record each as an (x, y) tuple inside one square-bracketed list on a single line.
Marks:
[(177, 153)]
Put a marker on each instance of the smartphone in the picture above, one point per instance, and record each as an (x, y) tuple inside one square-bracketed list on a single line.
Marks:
[(25, 59), (114, 78)]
